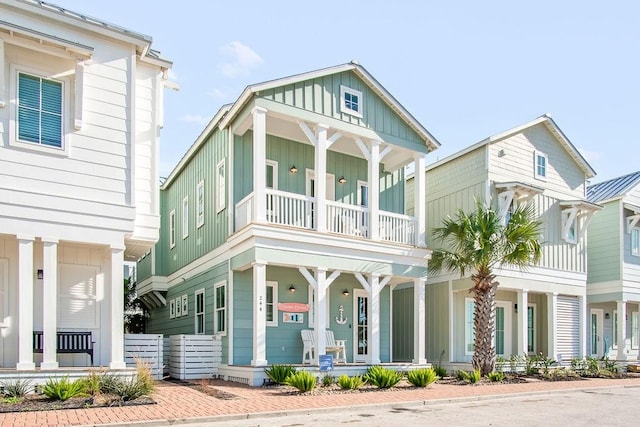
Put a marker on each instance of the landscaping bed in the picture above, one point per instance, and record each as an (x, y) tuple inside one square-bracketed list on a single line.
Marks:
[(39, 402)]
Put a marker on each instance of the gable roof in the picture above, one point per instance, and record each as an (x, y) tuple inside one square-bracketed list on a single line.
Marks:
[(549, 123), (616, 187), (360, 71)]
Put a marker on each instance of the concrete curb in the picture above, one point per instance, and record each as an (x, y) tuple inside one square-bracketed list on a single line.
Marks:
[(413, 403)]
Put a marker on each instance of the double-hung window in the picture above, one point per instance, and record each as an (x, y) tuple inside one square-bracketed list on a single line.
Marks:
[(540, 165), (221, 176), (172, 229), (635, 241), (200, 204), (185, 217), (199, 312), (220, 308), (39, 110), (272, 304), (350, 101)]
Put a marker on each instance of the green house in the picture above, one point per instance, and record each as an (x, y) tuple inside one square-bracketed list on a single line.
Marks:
[(288, 214)]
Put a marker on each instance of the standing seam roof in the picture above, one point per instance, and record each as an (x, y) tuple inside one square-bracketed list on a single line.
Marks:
[(612, 188)]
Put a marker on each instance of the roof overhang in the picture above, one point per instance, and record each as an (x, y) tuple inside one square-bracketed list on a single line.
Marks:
[(634, 208), (519, 187), (581, 205)]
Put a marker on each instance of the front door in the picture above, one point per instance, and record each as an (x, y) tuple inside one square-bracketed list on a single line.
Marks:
[(361, 329), (597, 345), (503, 329)]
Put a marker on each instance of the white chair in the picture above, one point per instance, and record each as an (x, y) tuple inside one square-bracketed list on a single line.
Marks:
[(307, 346), (338, 347)]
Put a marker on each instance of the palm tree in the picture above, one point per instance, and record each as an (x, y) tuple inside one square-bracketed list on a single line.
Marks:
[(479, 243)]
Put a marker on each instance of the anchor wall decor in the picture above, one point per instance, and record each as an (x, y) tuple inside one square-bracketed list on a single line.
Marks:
[(341, 320)]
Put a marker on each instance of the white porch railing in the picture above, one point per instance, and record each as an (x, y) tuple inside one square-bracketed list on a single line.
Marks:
[(290, 209), (397, 228), (297, 210), (347, 219)]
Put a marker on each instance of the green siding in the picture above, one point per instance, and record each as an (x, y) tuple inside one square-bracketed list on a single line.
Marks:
[(143, 267), (288, 153), (603, 251), (322, 96), (242, 317), (438, 328), (403, 325), (215, 229)]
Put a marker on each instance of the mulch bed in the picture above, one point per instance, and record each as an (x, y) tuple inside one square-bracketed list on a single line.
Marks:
[(39, 402)]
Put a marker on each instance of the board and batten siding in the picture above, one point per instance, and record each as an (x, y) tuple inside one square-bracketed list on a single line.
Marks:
[(604, 244), (322, 96), (437, 317), (214, 232), (288, 153)]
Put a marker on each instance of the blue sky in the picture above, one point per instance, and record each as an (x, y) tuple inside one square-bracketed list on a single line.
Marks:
[(465, 69)]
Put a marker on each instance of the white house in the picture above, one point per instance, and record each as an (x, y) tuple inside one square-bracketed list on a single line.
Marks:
[(80, 113)]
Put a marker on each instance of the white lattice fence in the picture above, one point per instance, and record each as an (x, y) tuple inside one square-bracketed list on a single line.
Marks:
[(194, 356), (147, 348)]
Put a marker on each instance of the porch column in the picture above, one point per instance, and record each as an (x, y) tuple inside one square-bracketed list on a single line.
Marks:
[(552, 329), (622, 330), (50, 298), (320, 166), (419, 199), (259, 314), (25, 304), (373, 176), (523, 322), (321, 314), (259, 164), (117, 308), (584, 329), (419, 321), (374, 330)]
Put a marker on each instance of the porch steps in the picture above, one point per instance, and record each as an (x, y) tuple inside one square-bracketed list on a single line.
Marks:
[(633, 368)]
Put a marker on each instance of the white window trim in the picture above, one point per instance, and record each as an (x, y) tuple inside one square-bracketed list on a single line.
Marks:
[(196, 314), (614, 328), (178, 306), (172, 309), (274, 165), (569, 218), (343, 106), (535, 166), (216, 310), (635, 345), (359, 195), (172, 229), (631, 248), (467, 338), (535, 315), (185, 217), (274, 286), (200, 204), (185, 305), (13, 111), (221, 196)]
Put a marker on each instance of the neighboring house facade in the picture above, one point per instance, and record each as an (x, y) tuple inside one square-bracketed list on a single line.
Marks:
[(287, 213), (614, 269), (541, 310), (80, 112)]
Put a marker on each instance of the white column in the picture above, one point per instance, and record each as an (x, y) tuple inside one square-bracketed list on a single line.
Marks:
[(622, 330), (259, 314), (117, 308), (523, 326), (50, 298), (321, 314), (321, 178), (552, 321), (373, 176), (25, 303), (584, 328), (419, 321), (419, 199), (3, 87), (374, 321), (259, 164)]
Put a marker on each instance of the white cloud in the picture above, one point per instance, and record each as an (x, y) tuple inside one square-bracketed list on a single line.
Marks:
[(217, 93), (242, 59), (195, 118), (590, 156)]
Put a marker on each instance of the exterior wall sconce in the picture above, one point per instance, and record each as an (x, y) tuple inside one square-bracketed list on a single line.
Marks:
[(342, 180), (345, 292), (292, 288), (606, 315), (40, 274), (293, 169)]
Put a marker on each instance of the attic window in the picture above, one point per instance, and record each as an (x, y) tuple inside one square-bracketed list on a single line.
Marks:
[(540, 166), (350, 101)]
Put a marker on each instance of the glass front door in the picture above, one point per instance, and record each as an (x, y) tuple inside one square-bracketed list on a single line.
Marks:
[(596, 333), (361, 330)]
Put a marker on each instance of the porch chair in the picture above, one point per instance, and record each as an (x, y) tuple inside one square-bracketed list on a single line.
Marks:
[(336, 346), (332, 346)]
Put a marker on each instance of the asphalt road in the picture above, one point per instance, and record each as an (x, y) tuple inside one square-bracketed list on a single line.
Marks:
[(597, 407)]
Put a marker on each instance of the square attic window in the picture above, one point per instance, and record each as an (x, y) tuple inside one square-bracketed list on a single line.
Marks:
[(350, 101)]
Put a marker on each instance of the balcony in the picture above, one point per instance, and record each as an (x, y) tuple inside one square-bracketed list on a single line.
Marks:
[(298, 211)]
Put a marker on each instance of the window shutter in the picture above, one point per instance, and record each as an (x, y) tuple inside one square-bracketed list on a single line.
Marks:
[(28, 106)]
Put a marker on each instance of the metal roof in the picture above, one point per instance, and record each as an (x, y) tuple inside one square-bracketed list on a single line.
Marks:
[(612, 188)]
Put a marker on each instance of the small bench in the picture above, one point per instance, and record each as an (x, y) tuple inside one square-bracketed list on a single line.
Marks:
[(67, 342)]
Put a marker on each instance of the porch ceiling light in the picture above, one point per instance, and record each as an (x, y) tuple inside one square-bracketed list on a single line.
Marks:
[(293, 169), (345, 292), (342, 180), (292, 288)]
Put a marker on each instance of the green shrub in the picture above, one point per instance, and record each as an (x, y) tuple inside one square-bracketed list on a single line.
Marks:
[(382, 377), (302, 380), (16, 387), (92, 383), (327, 380), (350, 383), (109, 383), (130, 389), (440, 371), (469, 377), (609, 365), (278, 374), (63, 388), (495, 377), (422, 377)]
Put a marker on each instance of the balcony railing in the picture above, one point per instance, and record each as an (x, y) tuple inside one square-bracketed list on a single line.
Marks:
[(296, 210)]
